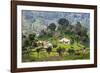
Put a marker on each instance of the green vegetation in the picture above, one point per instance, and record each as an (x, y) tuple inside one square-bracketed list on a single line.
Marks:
[(56, 43)]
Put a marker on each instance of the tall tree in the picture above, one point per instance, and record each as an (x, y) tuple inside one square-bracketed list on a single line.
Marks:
[(63, 22), (52, 26), (78, 28), (78, 31), (81, 34), (31, 37)]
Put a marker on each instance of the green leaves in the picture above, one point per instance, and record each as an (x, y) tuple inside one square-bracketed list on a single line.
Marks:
[(63, 22), (52, 26), (31, 37)]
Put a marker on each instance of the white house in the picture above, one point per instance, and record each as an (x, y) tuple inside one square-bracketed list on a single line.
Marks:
[(65, 41), (47, 44)]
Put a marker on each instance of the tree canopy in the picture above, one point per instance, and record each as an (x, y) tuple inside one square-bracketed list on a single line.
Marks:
[(52, 26), (63, 22)]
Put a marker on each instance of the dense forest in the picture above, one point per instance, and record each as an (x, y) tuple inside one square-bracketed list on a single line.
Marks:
[(58, 40)]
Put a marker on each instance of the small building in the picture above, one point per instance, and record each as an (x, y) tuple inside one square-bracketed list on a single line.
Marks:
[(45, 44), (65, 41)]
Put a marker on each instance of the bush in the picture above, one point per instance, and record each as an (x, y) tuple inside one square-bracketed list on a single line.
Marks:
[(71, 51)]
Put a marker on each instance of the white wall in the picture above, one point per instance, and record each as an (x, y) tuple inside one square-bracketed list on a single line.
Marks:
[(5, 36)]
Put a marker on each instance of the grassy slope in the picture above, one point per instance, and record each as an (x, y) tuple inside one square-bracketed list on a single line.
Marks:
[(44, 56)]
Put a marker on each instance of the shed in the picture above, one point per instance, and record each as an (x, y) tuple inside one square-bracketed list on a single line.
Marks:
[(65, 41)]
